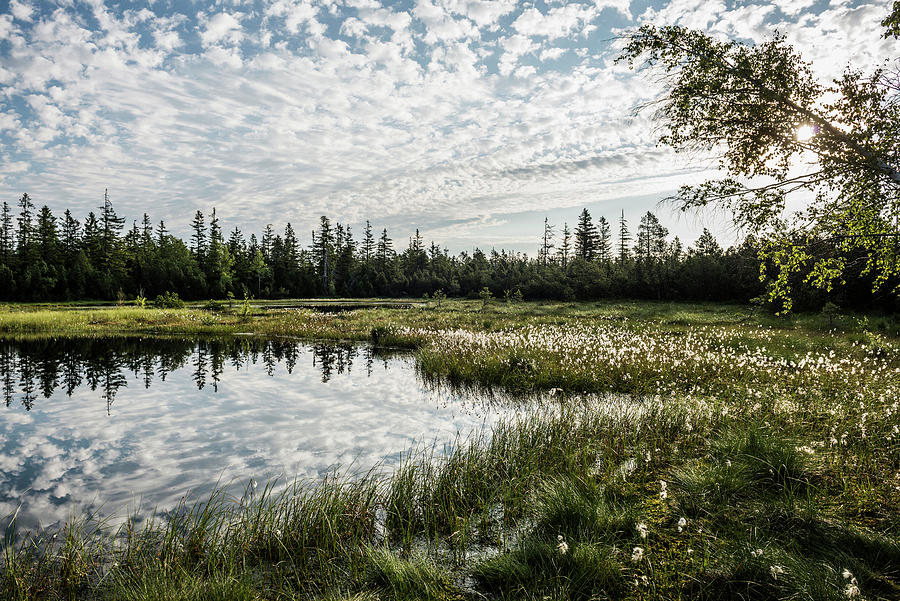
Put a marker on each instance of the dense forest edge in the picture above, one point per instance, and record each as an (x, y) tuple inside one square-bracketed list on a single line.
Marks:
[(46, 258)]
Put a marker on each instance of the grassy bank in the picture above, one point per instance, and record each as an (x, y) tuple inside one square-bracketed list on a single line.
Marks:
[(756, 459)]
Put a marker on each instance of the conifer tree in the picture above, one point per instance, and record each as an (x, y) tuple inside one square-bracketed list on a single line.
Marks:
[(161, 233), (322, 251), (565, 248), (385, 249), (71, 235), (368, 245), (604, 241), (146, 234), (706, 245), (586, 237), (6, 234), (198, 238), (624, 239), (47, 236), (110, 224), (26, 214)]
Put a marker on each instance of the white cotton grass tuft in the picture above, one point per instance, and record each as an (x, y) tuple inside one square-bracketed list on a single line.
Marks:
[(642, 529), (851, 591), (561, 545), (637, 554), (663, 490), (682, 522), (776, 571)]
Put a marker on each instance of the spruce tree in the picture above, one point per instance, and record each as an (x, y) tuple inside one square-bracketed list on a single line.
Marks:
[(26, 227), (368, 245), (47, 236), (385, 249), (71, 235), (146, 234), (604, 241), (586, 237), (322, 251), (161, 233), (546, 242), (198, 238), (110, 226), (565, 248), (6, 234), (624, 239)]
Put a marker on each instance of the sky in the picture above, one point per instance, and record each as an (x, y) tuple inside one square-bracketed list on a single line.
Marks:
[(471, 120)]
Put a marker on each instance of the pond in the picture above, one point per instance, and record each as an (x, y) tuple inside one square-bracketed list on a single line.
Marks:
[(135, 425)]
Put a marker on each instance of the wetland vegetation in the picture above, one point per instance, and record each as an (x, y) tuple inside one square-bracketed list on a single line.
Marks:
[(741, 456)]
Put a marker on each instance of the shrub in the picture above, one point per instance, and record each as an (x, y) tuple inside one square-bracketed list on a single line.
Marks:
[(169, 300)]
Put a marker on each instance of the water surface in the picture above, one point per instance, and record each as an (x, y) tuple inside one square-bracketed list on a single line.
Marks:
[(129, 424)]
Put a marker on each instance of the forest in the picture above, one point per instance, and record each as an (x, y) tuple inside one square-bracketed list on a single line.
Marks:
[(48, 258)]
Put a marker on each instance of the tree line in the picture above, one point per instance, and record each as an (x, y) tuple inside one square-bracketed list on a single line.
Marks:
[(45, 257)]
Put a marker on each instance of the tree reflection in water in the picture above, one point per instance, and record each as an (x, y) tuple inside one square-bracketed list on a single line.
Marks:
[(38, 368)]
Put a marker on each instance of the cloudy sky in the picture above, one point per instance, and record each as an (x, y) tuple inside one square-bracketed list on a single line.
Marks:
[(470, 119)]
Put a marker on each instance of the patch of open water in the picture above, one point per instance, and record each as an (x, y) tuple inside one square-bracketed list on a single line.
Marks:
[(134, 425)]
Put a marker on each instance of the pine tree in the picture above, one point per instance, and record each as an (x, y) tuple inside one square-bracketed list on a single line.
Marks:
[(161, 233), (71, 235), (346, 255), (218, 261), (565, 248), (707, 245), (604, 241), (198, 238), (291, 246), (146, 234), (47, 236), (110, 224), (368, 245), (26, 228), (265, 245), (624, 239), (91, 241), (546, 242), (322, 251), (651, 239), (6, 234), (586, 237), (385, 249)]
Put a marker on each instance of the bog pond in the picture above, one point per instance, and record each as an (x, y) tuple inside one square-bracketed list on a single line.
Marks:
[(120, 426)]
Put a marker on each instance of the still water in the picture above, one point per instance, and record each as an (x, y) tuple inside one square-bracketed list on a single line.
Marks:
[(128, 425)]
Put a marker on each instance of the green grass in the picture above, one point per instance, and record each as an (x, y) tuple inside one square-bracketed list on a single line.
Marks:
[(745, 458)]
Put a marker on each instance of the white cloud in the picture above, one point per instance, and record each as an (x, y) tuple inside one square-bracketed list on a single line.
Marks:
[(558, 22), (295, 13), (224, 57), (6, 27), (550, 54), (486, 13), (222, 27), (622, 6), (353, 27), (8, 121), (440, 25), (21, 10)]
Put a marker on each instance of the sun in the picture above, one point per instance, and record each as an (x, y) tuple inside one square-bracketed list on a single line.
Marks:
[(805, 132)]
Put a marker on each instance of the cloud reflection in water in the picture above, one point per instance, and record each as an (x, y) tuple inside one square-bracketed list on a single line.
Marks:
[(112, 423)]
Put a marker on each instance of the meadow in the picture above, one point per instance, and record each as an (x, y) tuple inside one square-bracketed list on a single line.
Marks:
[(686, 452)]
